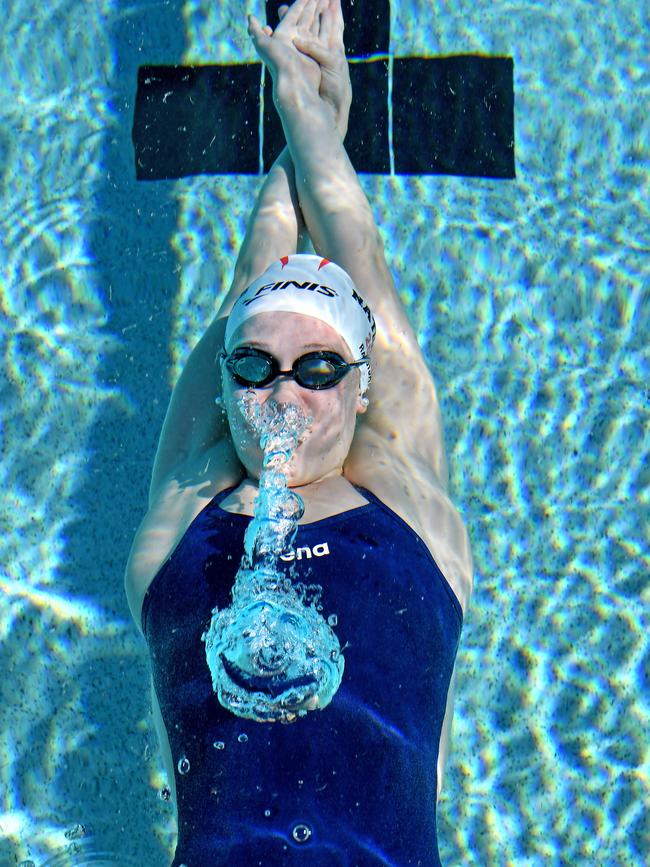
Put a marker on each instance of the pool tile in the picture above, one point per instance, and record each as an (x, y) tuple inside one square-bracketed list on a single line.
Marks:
[(454, 116), (192, 120)]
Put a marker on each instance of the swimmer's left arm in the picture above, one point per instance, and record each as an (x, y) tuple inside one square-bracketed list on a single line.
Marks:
[(445, 734), (275, 228)]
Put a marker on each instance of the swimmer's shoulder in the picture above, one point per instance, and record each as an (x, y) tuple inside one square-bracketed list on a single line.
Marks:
[(173, 506), (420, 500)]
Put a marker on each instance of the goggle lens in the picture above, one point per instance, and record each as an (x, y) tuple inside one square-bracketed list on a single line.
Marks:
[(316, 371), (251, 369), (254, 368)]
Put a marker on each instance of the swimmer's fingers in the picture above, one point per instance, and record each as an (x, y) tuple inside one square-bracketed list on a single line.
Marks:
[(257, 32), (309, 704), (300, 15), (332, 25), (326, 43), (284, 717), (312, 703), (281, 57), (263, 41), (328, 50), (316, 28)]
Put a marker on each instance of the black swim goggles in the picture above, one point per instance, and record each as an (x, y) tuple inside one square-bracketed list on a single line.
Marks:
[(255, 368)]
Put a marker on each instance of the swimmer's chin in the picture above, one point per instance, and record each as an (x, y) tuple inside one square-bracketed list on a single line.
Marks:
[(295, 477)]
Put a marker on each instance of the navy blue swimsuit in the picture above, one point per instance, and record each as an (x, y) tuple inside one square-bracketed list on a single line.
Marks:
[(352, 785)]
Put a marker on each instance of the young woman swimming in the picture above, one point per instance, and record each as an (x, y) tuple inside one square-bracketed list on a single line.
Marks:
[(354, 782)]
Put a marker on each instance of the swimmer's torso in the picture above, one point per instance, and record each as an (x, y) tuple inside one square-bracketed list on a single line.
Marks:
[(418, 501), (353, 784)]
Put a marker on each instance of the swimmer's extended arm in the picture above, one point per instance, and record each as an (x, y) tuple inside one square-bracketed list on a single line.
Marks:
[(335, 208), (194, 427), (398, 447), (276, 226), (404, 416), (195, 431)]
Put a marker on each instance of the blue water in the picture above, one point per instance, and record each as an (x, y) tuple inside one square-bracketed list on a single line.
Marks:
[(532, 302)]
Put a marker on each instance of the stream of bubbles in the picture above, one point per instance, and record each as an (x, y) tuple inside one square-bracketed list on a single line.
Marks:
[(271, 654)]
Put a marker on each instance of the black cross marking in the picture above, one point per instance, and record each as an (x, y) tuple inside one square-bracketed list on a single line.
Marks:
[(447, 115)]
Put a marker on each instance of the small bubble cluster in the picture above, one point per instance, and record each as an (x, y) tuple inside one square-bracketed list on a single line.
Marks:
[(75, 832)]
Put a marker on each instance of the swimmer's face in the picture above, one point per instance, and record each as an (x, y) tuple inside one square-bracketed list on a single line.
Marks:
[(324, 447)]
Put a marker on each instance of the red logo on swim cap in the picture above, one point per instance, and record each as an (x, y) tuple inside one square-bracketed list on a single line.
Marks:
[(285, 262)]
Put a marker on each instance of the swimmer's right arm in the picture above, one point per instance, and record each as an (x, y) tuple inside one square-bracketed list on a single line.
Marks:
[(195, 432), (194, 427)]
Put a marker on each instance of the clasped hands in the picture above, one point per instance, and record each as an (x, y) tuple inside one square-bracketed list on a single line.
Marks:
[(305, 55)]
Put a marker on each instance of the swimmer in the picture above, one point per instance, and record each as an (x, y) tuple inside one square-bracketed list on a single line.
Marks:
[(355, 782)]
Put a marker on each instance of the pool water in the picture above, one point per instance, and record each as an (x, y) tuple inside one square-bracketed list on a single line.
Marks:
[(531, 299)]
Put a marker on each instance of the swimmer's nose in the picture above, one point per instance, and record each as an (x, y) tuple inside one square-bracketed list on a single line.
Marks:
[(285, 389)]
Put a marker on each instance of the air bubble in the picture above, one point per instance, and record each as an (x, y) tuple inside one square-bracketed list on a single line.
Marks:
[(183, 765), (267, 813), (165, 793), (301, 833), (242, 738), (219, 745), (333, 620)]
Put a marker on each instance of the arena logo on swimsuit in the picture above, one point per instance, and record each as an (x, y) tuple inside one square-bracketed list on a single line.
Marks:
[(319, 550), (284, 284)]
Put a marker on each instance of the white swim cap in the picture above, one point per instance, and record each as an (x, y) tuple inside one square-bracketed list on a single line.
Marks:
[(302, 283)]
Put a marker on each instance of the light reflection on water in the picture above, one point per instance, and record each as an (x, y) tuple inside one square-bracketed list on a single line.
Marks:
[(531, 303)]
